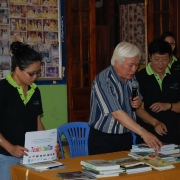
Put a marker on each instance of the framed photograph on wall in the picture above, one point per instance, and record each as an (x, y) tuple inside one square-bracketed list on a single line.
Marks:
[(36, 23)]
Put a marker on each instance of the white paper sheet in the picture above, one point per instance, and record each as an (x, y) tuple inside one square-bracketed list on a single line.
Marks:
[(41, 146)]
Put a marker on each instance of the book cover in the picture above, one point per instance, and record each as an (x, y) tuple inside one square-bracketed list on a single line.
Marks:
[(142, 154), (137, 155), (119, 170), (97, 175), (100, 164), (138, 168), (156, 162), (127, 162), (76, 175)]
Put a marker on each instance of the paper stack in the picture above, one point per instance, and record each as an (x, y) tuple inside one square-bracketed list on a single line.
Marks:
[(101, 168)]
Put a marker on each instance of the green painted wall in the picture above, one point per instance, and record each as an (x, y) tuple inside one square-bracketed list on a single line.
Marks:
[(54, 100)]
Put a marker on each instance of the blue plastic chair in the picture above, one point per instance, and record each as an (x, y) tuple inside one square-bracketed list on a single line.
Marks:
[(134, 138), (77, 134)]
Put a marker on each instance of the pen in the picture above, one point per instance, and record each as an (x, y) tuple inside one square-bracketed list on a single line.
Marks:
[(54, 167)]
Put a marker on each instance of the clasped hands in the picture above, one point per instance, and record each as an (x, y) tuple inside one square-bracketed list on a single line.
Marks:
[(158, 106), (160, 127)]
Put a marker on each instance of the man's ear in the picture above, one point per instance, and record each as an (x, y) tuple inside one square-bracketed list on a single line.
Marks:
[(116, 62)]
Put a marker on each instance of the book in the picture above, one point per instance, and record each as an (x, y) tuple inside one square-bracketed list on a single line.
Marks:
[(145, 147), (76, 175), (165, 145), (127, 162), (175, 155), (43, 165), (138, 155), (119, 170), (166, 149), (97, 175), (138, 168), (100, 164), (172, 151), (156, 162)]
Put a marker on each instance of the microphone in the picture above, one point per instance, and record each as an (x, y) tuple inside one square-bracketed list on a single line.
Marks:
[(134, 91)]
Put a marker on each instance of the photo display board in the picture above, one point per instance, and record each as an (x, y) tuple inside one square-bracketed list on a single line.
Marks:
[(36, 23)]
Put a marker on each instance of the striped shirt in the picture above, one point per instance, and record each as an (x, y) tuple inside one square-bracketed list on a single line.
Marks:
[(110, 94)]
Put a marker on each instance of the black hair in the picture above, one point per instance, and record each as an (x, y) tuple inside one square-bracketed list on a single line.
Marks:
[(23, 55), (169, 34), (159, 46)]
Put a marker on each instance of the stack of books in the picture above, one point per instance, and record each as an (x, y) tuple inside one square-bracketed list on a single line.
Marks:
[(165, 149), (131, 165), (101, 168)]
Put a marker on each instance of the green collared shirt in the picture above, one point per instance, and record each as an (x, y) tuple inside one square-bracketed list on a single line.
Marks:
[(30, 92), (174, 58), (151, 72)]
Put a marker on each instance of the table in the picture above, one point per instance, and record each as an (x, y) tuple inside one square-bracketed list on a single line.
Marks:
[(19, 173)]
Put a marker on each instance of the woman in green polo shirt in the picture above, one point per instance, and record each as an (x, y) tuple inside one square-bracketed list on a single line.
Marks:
[(174, 63), (20, 106)]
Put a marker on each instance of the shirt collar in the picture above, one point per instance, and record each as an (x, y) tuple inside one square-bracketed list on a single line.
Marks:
[(30, 92), (151, 72), (13, 83)]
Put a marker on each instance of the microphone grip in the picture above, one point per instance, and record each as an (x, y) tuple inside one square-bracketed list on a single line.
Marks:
[(134, 94)]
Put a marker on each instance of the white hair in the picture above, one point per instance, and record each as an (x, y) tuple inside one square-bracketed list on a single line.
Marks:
[(123, 50)]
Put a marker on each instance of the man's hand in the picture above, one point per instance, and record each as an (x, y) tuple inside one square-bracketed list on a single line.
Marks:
[(136, 102), (151, 140), (160, 128)]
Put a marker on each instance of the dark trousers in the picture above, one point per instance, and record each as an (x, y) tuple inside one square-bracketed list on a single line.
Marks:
[(100, 142)]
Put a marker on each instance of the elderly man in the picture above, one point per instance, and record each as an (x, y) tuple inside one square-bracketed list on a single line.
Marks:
[(112, 118)]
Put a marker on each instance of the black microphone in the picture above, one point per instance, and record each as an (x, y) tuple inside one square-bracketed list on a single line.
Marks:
[(134, 91)]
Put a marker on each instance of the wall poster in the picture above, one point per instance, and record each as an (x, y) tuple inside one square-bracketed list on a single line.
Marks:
[(36, 23)]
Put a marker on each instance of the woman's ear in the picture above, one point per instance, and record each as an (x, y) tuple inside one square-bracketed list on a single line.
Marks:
[(17, 70), (149, 57)]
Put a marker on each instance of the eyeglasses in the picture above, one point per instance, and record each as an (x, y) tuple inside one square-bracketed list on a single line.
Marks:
[(160, 61), (37, 73)]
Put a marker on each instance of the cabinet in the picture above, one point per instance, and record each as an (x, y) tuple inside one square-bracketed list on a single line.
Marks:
[(80, 56), (162, 16)]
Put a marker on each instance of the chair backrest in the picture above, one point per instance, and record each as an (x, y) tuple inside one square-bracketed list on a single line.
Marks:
[(134, 137), (77, 134)]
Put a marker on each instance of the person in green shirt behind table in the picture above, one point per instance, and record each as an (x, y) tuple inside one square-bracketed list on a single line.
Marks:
[(160, 89), (174, 63)]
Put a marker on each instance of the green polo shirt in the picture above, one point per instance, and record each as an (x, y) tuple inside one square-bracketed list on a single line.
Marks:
[(18, 114), (153, 90)]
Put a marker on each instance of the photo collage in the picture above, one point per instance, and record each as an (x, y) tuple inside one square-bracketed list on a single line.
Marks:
[(33, 22)]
